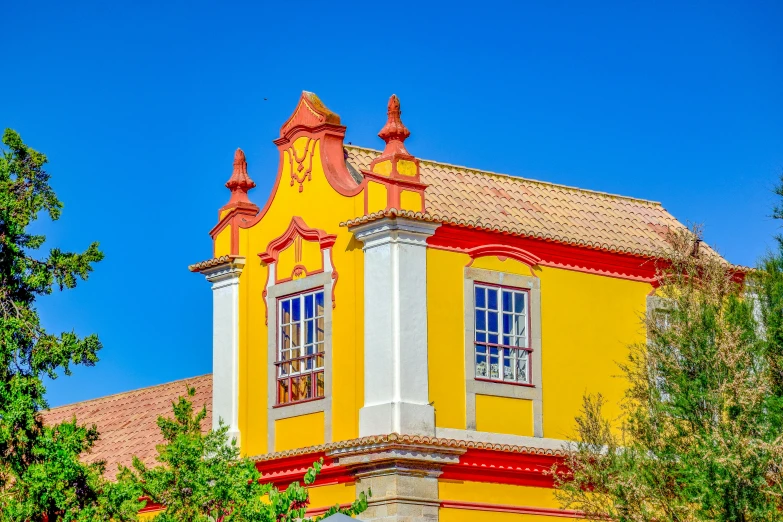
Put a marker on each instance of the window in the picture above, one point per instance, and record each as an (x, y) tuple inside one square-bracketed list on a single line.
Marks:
[(300, 350), (502, 334)]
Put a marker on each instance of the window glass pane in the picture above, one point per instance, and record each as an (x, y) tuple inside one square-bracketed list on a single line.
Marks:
[(481, 320), (507, 298), (494, 368), (308, 305), (520, 329), (507, 324), (481, 297), (519, 302), (492, 298), (294, 389), (508, 370), (492, 322), (522, 367), (501, 319), (286, 333), (301, 325), (296, 334), (309, 331), (319, 329), (306, 384), (481, 366), (282, 391)]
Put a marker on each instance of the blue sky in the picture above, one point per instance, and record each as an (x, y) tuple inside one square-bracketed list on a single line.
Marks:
[(141, 106)]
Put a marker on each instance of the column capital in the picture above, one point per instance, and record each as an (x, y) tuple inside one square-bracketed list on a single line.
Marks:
[(393, 228), (225, 272)]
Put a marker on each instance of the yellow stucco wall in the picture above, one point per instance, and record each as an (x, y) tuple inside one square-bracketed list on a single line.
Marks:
[(504, 415), (465, 515), (299, 432), (332, 494), (496, 494), (499, 494), (223, 242), (587, 324), (320, 207)]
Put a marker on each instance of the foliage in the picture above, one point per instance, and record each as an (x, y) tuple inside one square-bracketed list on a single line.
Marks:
[(41, 477), (202, 478), (701, 431)]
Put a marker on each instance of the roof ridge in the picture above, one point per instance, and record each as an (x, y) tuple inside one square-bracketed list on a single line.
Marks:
[(549, 183), (127, 392)]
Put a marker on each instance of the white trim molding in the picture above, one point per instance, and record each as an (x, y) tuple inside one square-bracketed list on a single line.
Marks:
[(396, 381), (475, 386), (225, 343), (273, 292)]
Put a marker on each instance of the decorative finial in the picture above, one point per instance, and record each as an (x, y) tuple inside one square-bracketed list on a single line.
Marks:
[(239, 182), (394, 130)]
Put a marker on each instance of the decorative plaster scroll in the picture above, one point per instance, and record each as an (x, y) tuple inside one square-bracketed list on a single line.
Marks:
[(296, 227), (504, 252), (297, 232), (299, 172)]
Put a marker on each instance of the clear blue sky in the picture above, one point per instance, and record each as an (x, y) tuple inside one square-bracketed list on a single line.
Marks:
[(140, 107)]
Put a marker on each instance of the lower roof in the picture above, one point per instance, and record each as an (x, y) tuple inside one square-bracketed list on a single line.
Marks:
[(127, 422)]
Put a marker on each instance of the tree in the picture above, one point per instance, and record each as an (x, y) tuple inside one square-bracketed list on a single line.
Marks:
[(701, 431), (202, 478), (41, 476)]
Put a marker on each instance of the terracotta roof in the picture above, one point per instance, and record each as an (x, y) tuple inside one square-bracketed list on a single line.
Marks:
[(478, 199), (127, 422), (396, 438), (209, 263)]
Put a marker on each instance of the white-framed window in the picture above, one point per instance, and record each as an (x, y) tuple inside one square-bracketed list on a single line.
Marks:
[(300, 347), (502, 347)]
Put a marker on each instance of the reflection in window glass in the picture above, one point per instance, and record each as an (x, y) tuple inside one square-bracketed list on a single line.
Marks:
[(502, 342)]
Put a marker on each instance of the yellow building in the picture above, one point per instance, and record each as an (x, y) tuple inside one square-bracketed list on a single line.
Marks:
[(428, 330)]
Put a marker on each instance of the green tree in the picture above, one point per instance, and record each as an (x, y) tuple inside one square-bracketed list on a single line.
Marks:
[(41, 476), (701, 433), (202, 478)]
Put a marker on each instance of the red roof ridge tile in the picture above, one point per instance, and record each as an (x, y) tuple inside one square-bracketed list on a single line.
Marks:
[(472, 170)]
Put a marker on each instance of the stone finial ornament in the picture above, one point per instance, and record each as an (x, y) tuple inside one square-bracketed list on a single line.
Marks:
[(394, 133), (239, 182), (395, 172), (395, 161)]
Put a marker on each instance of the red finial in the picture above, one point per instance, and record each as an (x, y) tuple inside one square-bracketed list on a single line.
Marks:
[(394, 132), (239, 182)]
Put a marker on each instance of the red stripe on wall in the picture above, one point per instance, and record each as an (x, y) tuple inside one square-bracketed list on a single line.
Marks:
[(500, 508)]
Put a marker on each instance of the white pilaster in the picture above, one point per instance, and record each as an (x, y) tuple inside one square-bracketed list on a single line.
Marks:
[(225, 343), (396, 383)]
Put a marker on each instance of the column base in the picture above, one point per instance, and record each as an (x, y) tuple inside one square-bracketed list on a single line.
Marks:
[(397, 417)]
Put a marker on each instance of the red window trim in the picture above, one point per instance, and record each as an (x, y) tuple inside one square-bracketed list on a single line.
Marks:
[(529, 350), (314, 373)]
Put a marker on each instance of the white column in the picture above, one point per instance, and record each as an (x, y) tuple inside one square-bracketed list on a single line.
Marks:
[(225, 343), (396, 383)]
